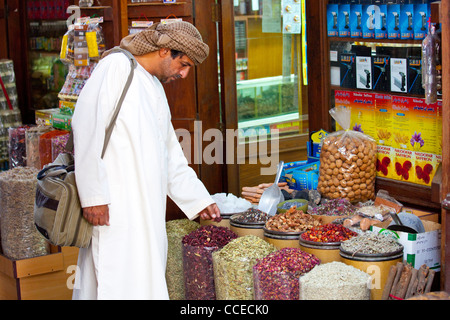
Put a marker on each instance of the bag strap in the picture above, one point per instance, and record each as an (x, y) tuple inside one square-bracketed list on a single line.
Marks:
[(69, 145)]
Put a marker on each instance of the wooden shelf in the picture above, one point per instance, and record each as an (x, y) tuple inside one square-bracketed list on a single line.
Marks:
[(408, 193)]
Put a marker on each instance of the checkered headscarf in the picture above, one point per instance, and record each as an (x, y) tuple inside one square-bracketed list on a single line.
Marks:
[(180, 35)]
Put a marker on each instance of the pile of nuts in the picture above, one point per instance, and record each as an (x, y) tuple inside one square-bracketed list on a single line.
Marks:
[(292, 220), (348, 167)]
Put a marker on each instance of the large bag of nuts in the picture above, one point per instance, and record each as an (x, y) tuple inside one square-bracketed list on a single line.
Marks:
[(347, 162)]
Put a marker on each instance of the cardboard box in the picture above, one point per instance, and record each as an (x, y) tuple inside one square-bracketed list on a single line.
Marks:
[(364, 73), (381, 73), (421, 248), (415, 76), (407, 21), (332, 20), (344, 20), (356, 20), (393, 21), (348, 70), (421, 15), (381, 22), (302, 177), (399, 79), (41, 278), (368, 21)]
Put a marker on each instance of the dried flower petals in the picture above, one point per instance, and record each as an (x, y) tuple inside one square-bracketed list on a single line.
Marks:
[(328, 233), (335, 207), (198, 247), (276, 275)]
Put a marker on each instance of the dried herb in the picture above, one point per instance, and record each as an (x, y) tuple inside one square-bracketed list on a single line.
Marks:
[(20, 239), (328, 233), (233, 267), (198, 247), (371, 243), (335, 281), (276, 275), (176, 230), (291, 221)]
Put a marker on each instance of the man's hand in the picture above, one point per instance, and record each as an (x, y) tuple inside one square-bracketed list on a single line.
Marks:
[(210, 212), (98, 215)]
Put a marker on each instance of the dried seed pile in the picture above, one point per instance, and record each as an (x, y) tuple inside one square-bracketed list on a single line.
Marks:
[(233, 267), (198, 247), (176, 230), (335, 207), (292, 220), (335, 281), (328, 233), (371, 243), (20, 239), (276, 275), (251, 215)]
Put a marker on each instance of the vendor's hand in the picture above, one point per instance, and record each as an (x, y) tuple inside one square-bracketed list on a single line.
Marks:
[(210, 212), (98, 215)]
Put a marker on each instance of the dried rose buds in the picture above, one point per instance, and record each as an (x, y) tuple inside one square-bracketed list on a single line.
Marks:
[(328, 233)]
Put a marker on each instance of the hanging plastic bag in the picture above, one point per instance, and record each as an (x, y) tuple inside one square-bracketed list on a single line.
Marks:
[(347, 162), (429, 77)]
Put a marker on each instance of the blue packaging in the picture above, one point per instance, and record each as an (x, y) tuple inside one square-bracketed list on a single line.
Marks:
[(356, 20), (393, 21), (381, 22), (332, 20), (421, 15), (303, 177), (368, 21), (406, 21), (344, 20)]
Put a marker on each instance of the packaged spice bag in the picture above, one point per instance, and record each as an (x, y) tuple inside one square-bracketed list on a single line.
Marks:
[(176, 230), (347, 162), (276, 276), (32, 145), (45, 145), (20, 238), (233, 267), (17, 146), (198, 247)]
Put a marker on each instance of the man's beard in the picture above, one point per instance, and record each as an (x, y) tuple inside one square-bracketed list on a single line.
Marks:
[(170, 78)]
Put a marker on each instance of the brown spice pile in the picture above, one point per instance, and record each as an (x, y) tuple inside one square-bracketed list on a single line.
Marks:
[(292, 220)]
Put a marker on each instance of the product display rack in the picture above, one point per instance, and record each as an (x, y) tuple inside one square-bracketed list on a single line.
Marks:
[(320, 91)]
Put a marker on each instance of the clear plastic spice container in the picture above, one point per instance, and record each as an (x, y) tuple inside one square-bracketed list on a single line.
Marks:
[(233, 267), (176, 230), (198, 247)]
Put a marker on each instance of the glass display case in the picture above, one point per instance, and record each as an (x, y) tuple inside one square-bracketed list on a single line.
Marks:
[(269, 67)]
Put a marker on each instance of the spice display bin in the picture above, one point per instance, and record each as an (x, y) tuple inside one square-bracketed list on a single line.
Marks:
[(282, 239), (325, 251), (40, 278), (244, 229), (225, 222), (377, 265)]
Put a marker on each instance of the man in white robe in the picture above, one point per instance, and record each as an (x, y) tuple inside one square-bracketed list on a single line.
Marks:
[(124, 194)]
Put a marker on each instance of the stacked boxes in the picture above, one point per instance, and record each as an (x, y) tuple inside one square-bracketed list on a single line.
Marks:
[(407, 130), (377, 20)]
